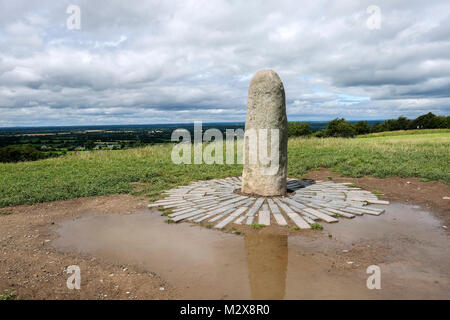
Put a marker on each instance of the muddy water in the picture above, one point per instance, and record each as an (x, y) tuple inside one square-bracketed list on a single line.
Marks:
[(408, 244)]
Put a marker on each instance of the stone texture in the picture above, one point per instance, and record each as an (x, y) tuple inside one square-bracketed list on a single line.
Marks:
[(266, 109), (311, 203)]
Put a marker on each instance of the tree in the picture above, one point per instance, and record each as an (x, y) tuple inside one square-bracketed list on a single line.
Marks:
[(89, 145), (362, 127), (318, 134), (403, 123), (426, 121), (339, 128), (296, 129), (379, 127), (444, 122), (16, 153)]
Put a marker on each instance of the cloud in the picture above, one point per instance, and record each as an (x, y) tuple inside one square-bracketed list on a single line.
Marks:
[(182, 61)]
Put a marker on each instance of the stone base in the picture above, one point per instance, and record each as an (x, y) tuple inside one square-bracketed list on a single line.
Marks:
[(310, 203), (267, 186)]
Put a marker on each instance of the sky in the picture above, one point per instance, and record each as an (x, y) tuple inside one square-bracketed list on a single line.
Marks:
[(142, 62)]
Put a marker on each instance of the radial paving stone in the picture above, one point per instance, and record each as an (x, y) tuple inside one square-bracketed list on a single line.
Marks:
[(276, 213), (297, 219), (220, 216), (249, 220), (307, 202), (239, 220), (264, 215), (232, 216)]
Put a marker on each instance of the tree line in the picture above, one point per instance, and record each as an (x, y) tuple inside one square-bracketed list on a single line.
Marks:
[(339, 127), (24, 152)]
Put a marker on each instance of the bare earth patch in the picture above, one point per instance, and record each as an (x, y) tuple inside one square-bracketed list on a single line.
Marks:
[(34, 269)]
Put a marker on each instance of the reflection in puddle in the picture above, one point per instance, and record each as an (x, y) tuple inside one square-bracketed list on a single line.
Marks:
[(207, 264), (267, 259)]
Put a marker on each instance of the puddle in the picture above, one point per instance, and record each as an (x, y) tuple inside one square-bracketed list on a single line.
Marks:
[(208, 264)]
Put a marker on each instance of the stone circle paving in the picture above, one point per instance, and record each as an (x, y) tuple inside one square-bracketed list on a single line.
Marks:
[(308, 203)]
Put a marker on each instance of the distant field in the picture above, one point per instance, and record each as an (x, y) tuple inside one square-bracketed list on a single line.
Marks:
[(150, 169)]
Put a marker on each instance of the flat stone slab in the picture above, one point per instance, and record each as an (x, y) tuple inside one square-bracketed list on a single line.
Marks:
[(309, 202)]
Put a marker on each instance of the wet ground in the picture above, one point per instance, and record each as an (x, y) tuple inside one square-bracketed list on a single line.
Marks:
[(408, 244)]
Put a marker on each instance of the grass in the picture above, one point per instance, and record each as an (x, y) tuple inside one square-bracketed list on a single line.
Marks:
[(169, 221), (335, 215), (96, 173), (8, 295), (316, 226), (5, 213), (166, 212), (423, 156), (101, 173), (403, 133), (257, 226), (377, 193)]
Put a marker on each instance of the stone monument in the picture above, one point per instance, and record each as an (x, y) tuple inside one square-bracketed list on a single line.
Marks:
[(264, 186), (265, 144)]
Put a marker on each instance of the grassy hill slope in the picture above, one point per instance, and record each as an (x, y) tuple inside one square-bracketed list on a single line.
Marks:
[(423, 155)]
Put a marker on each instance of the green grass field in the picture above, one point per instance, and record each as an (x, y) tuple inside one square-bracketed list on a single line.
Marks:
[(403, 133), (424, 155)]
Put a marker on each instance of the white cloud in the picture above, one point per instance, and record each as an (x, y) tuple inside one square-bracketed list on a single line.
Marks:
[(179, 61)]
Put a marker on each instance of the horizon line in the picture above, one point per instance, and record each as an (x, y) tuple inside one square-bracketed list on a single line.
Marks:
[(160, 124)]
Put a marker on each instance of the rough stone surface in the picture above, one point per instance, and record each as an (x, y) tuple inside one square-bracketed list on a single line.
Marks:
[(312, 202), (266, 109)]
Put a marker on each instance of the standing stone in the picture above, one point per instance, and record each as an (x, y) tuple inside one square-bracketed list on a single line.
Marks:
[(266, 109)]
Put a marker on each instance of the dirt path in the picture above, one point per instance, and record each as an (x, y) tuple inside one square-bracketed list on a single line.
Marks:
[(34, 269), (117, 254)]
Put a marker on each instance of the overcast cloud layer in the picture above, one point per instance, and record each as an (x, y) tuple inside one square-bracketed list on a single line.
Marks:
[(140, 61)]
